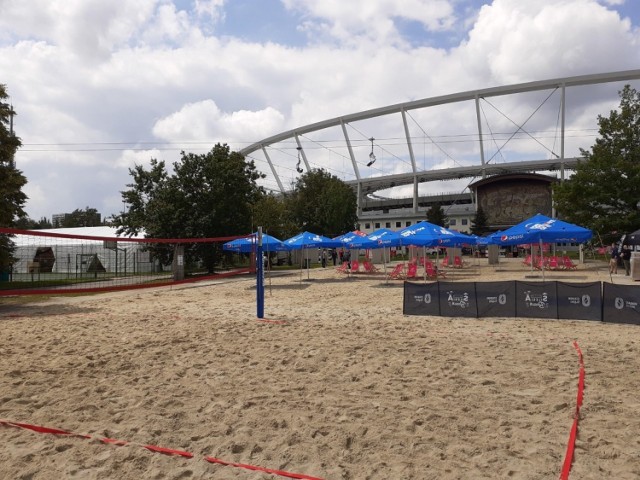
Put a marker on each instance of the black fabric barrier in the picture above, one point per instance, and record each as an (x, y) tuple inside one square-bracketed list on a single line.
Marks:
[(536, 300), (576, 301), (579, 301), (496, 299), (458, 299), (421, 299), (621, 304)]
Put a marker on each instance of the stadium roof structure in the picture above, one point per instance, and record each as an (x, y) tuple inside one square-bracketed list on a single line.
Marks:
[(458, 136)]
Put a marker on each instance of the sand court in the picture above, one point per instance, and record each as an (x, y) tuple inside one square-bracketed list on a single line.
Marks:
[(337, 384)]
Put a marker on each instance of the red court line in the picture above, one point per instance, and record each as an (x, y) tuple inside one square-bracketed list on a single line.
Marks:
[(276, 322), (157, 449), (568, 459)]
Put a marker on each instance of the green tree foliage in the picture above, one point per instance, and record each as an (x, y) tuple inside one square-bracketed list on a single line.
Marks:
[(208, 195), (27, 223), (322, 203), (88, 217), (436, 215), (480, 223), (604, 191), (270, 212), (12, 198)]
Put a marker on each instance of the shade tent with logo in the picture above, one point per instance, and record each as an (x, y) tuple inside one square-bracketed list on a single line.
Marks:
[(306, 240), (250, 243), (425, 234), (541, 229)]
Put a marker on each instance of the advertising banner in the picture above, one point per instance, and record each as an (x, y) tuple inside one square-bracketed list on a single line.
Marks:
[(579, 301), (421, 299), (621, 303), (496, 299), (458, 299), (536, 300)]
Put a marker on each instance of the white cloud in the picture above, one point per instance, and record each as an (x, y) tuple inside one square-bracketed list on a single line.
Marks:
[(118, 76)]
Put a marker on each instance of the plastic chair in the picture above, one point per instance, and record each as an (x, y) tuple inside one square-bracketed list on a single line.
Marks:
[(369, 267), (458, 262), (355, 266), (397, 273), (344, 268), (433, 273), (412, 271), (568, 264)]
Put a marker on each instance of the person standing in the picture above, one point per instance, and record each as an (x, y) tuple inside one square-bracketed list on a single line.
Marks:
[(613, 261), (626, 259)]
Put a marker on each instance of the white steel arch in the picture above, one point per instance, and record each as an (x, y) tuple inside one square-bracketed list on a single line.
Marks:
[(414, 174)]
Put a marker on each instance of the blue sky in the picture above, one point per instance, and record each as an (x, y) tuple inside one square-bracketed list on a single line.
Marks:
[(101, 86)]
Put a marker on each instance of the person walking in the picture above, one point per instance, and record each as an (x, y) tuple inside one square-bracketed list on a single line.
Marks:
[(613, 261), (626, 259)]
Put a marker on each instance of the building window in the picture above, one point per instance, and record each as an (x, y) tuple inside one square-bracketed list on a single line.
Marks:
[(377, 225), (408, 224), (367, 226), (464, 221), (398, 224), (452, 221)]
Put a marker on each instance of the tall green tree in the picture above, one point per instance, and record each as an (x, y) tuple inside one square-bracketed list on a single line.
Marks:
[(270, 213), (12, 198), (480, 223), (208, 195), (322, 203), (27, 223), (436, 215), (604, 192)]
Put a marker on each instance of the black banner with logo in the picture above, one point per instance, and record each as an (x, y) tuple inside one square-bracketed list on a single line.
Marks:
[(579, 301), (536, 300), (496, 299), (458, 299), (621, 304), (421, 299)]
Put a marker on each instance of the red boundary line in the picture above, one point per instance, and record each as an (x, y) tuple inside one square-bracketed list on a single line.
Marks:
[(568, 459), (157, 449)]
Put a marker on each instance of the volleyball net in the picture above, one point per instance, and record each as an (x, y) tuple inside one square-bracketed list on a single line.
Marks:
[(45, 262)]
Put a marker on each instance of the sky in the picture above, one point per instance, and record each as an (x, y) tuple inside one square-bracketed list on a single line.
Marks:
[(101, 86)]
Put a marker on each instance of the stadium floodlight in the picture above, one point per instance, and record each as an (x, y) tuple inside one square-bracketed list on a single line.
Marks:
[(372, 157)]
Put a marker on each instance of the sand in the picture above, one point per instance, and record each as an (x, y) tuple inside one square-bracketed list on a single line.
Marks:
[(338, 385)]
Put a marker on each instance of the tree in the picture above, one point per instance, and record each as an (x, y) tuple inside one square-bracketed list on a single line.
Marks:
[(436, 215), (270, 212), (12, 198), (322, 203), (208, 195), (89, 217), (480, 223), (604, 191), (27, 223)]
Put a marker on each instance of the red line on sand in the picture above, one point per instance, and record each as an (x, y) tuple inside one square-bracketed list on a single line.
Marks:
[(568, 459), (155, 448), (276, 322)]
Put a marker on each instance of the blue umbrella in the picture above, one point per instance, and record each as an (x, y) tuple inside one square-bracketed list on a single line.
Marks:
[(383, 237), (355, 239), (425, 234), (310, 240), (250, 243), (543, 229)]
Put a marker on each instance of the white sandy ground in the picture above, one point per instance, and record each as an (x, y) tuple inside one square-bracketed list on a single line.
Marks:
[(347, 388)]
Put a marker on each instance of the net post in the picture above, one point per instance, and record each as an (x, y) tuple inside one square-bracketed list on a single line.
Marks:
[(260, 276)]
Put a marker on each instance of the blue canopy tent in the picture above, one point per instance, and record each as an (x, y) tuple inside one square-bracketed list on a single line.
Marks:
[(383, 238), (249, 244), (425, 234), (541, 229), (306, 240)]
